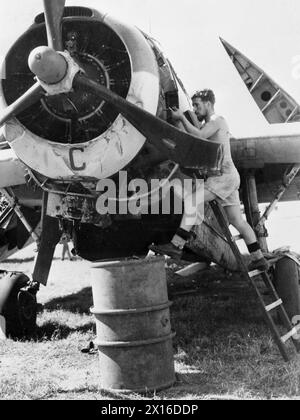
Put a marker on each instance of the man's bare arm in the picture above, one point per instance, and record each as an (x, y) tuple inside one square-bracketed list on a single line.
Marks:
[(210, 128), (206, 132), (190, 128)]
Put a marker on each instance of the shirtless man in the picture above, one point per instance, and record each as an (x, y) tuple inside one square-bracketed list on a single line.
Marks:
[(224, 188)]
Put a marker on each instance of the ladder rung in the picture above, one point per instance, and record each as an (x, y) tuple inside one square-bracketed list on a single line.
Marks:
[(255, 273), (274, 305), (290, 334)]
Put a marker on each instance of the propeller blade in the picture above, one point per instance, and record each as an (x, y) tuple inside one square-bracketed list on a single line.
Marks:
[(187, 150), (54, 10), (34, 94)]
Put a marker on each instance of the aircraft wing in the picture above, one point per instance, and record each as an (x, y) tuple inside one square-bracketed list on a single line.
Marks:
[(272, 157), (275, 103), (258, 152)]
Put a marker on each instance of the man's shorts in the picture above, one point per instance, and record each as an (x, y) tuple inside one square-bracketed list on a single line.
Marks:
[(225, 188)]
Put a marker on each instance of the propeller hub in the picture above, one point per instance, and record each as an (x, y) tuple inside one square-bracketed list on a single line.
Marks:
[(48, 65)]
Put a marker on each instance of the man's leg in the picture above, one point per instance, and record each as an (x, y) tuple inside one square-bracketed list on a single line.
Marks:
[(193, 214), (69, 253), (236, 219), (63, 252)]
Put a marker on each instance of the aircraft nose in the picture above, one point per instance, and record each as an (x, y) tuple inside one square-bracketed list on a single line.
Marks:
[(48, 65)]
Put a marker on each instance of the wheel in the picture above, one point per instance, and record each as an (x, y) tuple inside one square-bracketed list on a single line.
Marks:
[(286, 280), (20, 309)]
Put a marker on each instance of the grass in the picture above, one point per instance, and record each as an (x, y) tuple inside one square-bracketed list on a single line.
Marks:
[(229, 351), (222, 348)]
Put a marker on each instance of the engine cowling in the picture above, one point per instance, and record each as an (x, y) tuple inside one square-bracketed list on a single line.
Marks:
[(77, 136)]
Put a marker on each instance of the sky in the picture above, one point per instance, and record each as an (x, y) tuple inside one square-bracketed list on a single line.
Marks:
[(267, 31)]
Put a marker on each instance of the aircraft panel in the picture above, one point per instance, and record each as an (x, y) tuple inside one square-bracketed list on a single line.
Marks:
[(275, 103)]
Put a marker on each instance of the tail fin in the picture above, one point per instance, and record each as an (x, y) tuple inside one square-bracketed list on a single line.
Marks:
[(276, 104)]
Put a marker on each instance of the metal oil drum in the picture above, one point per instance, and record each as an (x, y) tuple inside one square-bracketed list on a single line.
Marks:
[(134, 335)]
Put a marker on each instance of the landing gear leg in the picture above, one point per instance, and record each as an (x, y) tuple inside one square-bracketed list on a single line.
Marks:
[(50, 237), (252, 211)]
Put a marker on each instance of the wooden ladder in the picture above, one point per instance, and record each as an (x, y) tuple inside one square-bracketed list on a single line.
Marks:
[(292, 332)]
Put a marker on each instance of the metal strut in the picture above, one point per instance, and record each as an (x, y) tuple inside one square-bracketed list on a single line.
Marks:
[(250, 199), (13, 203), (288, 179)]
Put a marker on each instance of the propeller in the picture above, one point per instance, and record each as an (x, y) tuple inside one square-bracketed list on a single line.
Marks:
[(53, 67), (48, 65), (181, 147), (34, 94), (54, 10)]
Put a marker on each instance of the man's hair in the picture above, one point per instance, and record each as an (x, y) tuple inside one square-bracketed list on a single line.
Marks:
[(206, 95)]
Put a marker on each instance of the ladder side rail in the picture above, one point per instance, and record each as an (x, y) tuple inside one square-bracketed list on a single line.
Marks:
[(221, 218)]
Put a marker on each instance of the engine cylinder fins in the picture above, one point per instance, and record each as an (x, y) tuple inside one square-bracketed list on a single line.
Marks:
[(78, 116), (71, 136), (78, 104)]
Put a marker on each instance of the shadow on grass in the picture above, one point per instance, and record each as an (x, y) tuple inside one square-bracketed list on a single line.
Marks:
[(56, 331), (77, 303), (203, 324), (18, 260)]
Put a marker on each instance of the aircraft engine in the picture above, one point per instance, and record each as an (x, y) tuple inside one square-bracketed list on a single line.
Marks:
[(84, 98), (76, 135)]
